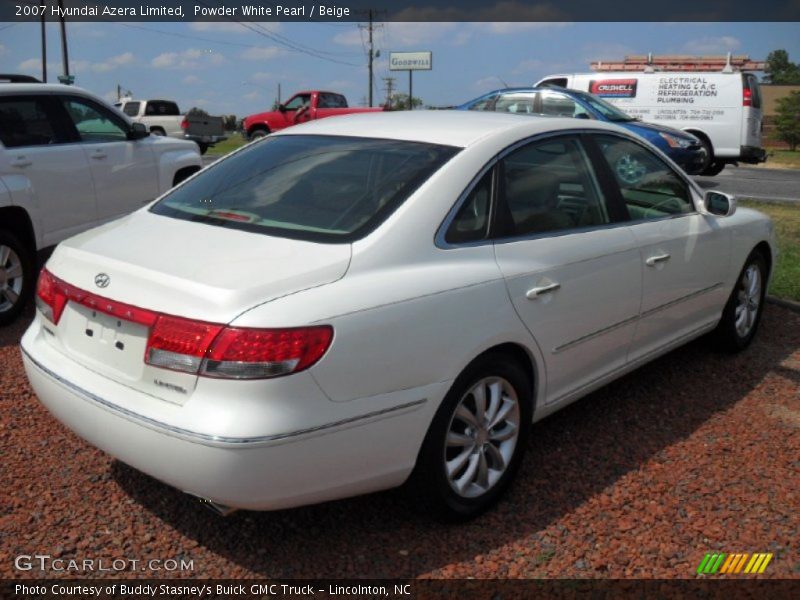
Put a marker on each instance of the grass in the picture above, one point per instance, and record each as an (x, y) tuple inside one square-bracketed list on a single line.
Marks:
[(234, 141), (786, 279), (782, 159)]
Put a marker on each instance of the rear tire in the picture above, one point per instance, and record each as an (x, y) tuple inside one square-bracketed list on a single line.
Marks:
[(476, 441), (202, 147), (742, 313), (17, 276), (257, 134)]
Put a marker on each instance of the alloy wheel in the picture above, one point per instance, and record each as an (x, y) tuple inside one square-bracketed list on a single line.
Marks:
[(748, 300), (481, 437), (11, 278)]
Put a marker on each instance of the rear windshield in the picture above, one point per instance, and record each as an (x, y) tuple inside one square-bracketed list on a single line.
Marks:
[(318, 188)]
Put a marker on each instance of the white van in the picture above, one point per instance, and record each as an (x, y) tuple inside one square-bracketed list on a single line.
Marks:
[(723, 109)]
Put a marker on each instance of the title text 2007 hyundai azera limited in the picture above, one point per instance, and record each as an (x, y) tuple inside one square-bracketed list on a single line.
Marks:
[(373, 299)]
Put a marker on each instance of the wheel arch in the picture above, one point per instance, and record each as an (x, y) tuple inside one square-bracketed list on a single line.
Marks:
[(522, 356), (765, 250), (258, 127), (184, 173), (703, 136), (17, 220)]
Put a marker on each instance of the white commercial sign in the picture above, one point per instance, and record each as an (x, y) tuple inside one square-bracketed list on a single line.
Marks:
[(410, 61)]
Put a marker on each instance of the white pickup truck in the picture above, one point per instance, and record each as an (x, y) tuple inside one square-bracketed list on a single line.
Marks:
[(162, 117), (69, 162)]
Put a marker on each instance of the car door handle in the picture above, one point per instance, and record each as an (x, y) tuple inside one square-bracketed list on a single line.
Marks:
[(21, 161), (654, 260), (99, 155), (534, 293)]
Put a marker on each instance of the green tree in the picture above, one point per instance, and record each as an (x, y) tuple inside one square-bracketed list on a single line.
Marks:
[(787, 119), (780, 70), (399, 101)]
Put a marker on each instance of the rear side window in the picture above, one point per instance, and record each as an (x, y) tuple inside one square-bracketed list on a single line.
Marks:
[(471, 223), (24, 122), (318, 188), (160, 108), (549, 186), (650, 188), (523, 103), (131, 108), (332, 101)]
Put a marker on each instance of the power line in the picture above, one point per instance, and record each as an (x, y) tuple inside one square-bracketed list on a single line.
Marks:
[(253, 26)]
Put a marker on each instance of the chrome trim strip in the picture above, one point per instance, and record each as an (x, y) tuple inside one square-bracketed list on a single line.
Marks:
[(672, 303), (595, 334), (204, 438), (624, 322)]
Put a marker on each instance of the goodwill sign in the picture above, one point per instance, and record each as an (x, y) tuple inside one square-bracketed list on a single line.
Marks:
[(410, 61)]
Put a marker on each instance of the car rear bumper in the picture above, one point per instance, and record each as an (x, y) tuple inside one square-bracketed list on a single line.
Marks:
[(206, 139), (355, 454), (752, 154)]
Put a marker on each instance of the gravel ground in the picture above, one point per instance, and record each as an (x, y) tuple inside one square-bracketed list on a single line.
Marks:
[(696, 453)]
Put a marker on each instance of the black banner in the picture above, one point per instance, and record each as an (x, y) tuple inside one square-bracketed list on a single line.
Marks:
[(421, 589), (403, 10)]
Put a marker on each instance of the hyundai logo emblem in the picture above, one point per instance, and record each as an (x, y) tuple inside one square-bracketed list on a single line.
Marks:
[(102, 280)]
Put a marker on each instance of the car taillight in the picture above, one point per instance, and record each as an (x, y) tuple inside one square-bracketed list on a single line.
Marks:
[(185, 124), (254, 353), (747, 97), (198, 347), (49, 300)]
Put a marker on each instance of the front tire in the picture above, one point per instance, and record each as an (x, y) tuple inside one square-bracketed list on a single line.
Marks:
[(742, 313), (476, 441), (257, 134), (17, 276)]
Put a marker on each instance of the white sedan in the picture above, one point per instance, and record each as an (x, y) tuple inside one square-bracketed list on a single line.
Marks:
[(371, 300)]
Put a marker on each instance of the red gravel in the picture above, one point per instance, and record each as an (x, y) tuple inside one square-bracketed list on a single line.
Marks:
[(698, 452)]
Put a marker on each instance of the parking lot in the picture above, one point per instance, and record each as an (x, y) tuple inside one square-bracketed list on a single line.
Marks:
[(697, 452)]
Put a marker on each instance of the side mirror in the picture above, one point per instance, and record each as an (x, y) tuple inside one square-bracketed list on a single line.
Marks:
[(720, 204), (282, 108), (138, 131)]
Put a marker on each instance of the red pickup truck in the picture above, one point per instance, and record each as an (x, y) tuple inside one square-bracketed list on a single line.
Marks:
[(300, 108)]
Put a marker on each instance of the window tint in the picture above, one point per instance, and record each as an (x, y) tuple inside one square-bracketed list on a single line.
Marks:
[(649, 187), (161, 108), (471, 223), (332, 101), (321, 188), (559, 105), (95, 124), (131, 108), (549, 186), (24, 122)]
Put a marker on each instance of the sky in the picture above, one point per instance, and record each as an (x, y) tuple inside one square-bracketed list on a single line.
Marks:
[(231, 68)]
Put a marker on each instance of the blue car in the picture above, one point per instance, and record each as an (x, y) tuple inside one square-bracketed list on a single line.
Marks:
[(683, 148)]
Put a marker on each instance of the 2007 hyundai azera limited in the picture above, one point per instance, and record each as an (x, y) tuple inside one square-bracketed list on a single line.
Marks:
[(367, 300)]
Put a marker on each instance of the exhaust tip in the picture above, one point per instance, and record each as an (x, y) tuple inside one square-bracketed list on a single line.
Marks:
[(221, 510)]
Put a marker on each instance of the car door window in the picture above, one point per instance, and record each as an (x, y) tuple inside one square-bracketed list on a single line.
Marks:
[(650, 188), (484, 103), (94, 123), (558, 105), (24, 122), (471, 222), (516, 103), (548, 186), (298, 101), (131, 108)]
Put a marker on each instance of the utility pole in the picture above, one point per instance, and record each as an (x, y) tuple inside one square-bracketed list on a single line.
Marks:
[(64, 54), (370, 27), (44, 42), (389, 90)]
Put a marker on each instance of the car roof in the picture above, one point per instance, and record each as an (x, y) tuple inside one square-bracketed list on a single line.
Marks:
[(39, 88), (445, 127)]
